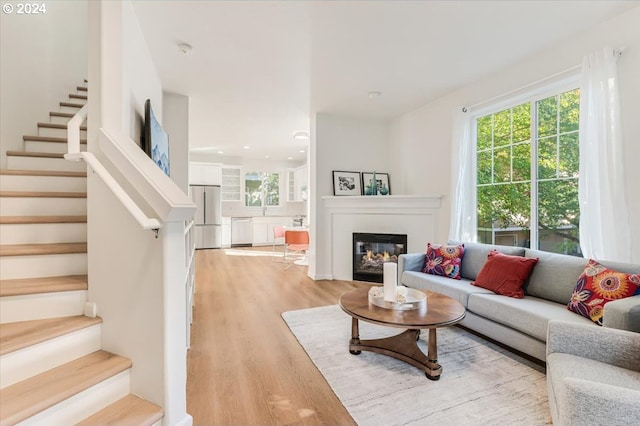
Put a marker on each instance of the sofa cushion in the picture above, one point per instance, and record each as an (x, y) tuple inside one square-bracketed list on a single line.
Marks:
[(554, 276), (598, 285), (475, 255), (444, 260), (504, 274), (529, 315), (458, 290)]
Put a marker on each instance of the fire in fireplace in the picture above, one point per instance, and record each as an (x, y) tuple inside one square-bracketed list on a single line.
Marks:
[(371, 251)]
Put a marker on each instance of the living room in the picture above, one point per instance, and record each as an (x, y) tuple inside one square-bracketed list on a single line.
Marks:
[(418, 148)]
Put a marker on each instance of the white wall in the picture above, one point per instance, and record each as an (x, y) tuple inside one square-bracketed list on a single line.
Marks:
[(43, 58), (176, 123), (422, 138), (346, 144)]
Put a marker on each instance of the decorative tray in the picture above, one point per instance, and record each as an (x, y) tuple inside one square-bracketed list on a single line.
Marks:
[(406, 298)]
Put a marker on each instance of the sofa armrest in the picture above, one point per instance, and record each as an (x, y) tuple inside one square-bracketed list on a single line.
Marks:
[(410, 262), (591, 403), (608, 345), (623, 314)]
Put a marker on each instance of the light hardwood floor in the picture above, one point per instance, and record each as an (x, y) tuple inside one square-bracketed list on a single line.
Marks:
[(244, 366)]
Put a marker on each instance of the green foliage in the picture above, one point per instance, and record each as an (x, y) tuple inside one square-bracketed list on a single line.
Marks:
[(262, 185), (504, 169)]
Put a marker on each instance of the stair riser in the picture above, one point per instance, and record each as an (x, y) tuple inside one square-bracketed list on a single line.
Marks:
[(62, 148), (43, 183), (41, 163), (30, 206), (42, 233), (42, 305), (49, 265), (58, 133), (72, 110), (82, 405), (35, 359), (77, 100)]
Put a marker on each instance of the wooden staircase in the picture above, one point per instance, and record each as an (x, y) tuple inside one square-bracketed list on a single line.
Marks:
[(52, 368)]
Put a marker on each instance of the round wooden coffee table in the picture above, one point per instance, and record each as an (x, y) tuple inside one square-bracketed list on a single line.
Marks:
[(440, 311)]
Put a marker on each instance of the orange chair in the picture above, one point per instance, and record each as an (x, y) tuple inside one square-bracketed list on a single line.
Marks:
[(278, 239), (296, 242)]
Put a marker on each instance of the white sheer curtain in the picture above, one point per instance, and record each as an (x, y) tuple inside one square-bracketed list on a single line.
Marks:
[(604, 222), (463, 225)]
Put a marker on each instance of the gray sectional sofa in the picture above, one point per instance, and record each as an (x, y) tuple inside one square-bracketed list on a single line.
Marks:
[(520, 323)]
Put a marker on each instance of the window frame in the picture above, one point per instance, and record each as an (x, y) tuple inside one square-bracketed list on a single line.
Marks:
[(556, 88), (262, 201)]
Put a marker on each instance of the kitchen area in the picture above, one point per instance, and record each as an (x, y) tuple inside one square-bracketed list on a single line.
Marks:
[(229, 215)]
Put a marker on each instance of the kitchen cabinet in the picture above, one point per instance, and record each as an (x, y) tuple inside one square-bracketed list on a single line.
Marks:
[(205, 174), (226, 232)]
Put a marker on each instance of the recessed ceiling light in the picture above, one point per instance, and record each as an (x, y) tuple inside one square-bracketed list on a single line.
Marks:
[(289, 158), (302, 151), (185, 48), (374, 94), (246, 147), (301, 135), (266, 156), (220, 152)]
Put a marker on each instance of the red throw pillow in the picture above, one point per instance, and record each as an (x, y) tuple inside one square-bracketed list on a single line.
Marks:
[(504, 274), (598, 285)]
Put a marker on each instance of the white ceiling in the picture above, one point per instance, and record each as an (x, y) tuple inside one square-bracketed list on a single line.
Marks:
[(259, 69)]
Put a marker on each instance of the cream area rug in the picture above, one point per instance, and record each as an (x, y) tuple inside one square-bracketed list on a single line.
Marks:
[(481, 383)]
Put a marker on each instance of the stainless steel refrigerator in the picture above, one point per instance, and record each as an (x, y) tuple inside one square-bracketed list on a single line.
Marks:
[(208, 220)]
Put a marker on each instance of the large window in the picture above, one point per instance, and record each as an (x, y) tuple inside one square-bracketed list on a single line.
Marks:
[(527, 174), (262, 189)]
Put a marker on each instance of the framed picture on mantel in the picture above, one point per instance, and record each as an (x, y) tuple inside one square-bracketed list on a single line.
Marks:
[(346, 183), (381, 186)]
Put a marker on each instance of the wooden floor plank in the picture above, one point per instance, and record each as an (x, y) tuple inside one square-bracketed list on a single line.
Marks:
[(244, 365), (21, 286), (19, 335)]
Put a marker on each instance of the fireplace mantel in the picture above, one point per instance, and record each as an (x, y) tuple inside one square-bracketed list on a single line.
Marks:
[(414, 215), (382, 202)]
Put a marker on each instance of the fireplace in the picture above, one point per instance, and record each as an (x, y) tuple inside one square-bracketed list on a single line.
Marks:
[(371, 251)]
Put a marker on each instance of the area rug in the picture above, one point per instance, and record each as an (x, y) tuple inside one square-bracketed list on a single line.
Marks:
[(481, 383)]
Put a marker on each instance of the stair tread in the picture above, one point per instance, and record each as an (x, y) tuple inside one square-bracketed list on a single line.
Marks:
[(61, 114), (42, 249), (42, 194), (81, 88), (57, 126), (35, 394), (76, 96), (71, 104), (22, 286), (26, 220), (130, 410), (48, 139), (34, 154), (18, 172), (19, 335)]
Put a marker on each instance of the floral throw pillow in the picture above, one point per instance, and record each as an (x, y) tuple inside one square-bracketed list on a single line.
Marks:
[(443, 260), (598, 285)]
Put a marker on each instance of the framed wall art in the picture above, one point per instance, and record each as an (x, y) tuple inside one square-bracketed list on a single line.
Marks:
[(346, 183)]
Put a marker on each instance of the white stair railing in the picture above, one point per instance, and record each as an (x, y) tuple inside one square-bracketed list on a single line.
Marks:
[(74, 154)]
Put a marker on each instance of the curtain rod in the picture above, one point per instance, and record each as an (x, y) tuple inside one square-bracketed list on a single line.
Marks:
[(616, 52)]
